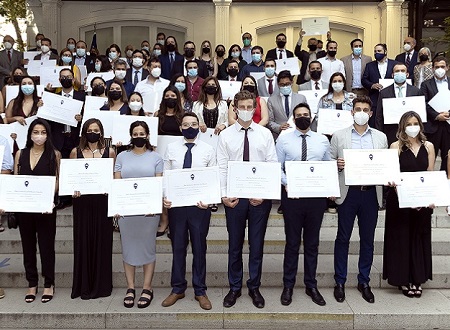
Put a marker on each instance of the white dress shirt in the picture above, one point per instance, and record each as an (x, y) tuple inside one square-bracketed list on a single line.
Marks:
[(442, 85), (46, 57), (133, 72), (396, 89), (382, 68), (146, 88), (203, 155), (330, 66)]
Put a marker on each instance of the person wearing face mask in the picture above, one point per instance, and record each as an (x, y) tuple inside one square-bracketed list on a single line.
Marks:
[(407, 257), (398, 89), (210, 109), (316, 83), (170, 112), (220, 63), (160, 38), (113, 52), (205, 56), (255, 65), (330, 64), (14, 80), (98, 86), (138, 232), (39, 157), (169, 56), (244, 141), (280, 52), (120, 72), (179, 66), (247, 47), (437, 129), (354, 65), (135, 105), (26, 103), (424, 69), (66, 59), (92, 228), (409, 57), (280, 105), (179, 81), (232, 71), (71, 44), (102, 64), (360, 201), (145, 45), (9, 59), (157, 50), (267, 85), (188, 221), (46, 51), (301, 215), (129, 54), (307, 56), (194, 82), (234, 54), (38, 40), (82, 58), (137, 73), (117, 98)]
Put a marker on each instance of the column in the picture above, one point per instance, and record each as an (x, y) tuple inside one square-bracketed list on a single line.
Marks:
[(222, 21), (391, 26), (51, 22)]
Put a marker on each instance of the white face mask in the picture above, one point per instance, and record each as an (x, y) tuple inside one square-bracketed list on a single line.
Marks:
[(245, 115), (120, 74), (156, 72), (45, 49), (7, 45), (337, 86), (361, 118), (129, 53), (407, 47), (137, 62), (412, 131), (38, 44), (440, 72), (135, 106)]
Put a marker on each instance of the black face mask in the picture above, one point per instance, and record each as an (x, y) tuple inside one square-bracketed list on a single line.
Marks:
[(312, 48), (115, 95), (98, 90), (170, 47), (139, 141), (315, 74), (233, 72), (92, 137), (189, 52), (220, 53), (170, 103), (423, 57), (332, 53), (302, 122), (210, 90), (206, 50), (281, 44), (249, 88), (17, 79), (66, 83)]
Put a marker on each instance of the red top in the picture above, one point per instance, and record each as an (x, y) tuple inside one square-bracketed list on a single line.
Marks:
[(257, 114)]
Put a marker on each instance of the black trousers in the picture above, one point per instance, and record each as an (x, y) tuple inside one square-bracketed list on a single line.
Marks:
[(41, 229), (441, 141)]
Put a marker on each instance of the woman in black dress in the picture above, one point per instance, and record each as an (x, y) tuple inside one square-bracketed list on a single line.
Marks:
[(38, 158), (92, 229), (170, 112), (407, 236)]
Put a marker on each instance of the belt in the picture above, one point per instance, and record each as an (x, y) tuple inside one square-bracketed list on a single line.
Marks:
[(362, 188)]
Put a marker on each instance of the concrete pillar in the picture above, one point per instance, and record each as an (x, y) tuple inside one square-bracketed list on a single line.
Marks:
[(51, 23), (391, 26), (222, 21)]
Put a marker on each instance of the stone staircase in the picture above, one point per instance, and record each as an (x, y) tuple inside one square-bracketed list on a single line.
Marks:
[(391, 310)]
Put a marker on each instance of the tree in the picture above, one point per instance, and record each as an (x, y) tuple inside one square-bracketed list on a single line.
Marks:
[(12, 10)]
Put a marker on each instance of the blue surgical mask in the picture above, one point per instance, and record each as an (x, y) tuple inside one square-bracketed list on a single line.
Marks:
[(399, 77), (286, 90), (66, 59), (71, 47), (235, 54), (98, 66), (357, 51), (27, 89), (256, 57), (113, 55), (180, 86), (379, 56), (192, 72), (81, 52), (269, 71)]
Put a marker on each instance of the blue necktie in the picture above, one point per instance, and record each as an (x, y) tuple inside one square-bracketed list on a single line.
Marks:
[(136, 78), (188, 156), (286, 105)]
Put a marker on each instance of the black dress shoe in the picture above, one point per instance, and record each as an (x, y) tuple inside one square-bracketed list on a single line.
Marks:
[(230, 298), (286, 296), (367, 294), (339, 292), (257, 298), (315, 296), (279, 210)]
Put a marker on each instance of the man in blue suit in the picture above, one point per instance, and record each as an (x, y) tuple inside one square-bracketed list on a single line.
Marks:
[(169, 56), (409, 57), (379, 69)]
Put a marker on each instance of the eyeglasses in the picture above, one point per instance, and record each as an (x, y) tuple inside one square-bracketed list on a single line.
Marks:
[(187, 125)]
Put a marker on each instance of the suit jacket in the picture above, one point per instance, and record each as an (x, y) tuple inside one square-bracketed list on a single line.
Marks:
[(389, 92), (129, 75), (414, 60), (53, 50), (89, 63), (6, 66), (262, 88), (341, 140), (306, 86), (303, 57), (277, 113), (348, 66), (178, 67), (166, 71), (429, 89), (272, 53), (52, 57)]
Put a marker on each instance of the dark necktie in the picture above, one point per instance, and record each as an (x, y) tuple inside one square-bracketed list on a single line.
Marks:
[(67, 128), (188, 156), (136, 78), (270, 86), (408, 59), (286, 105), (9, 55), (171, 61), (317, 86), (246, 157), (281, 54), (304, 148)]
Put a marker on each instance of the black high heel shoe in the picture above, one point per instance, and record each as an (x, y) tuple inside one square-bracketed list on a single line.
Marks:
[(161, 233), (47, 297), (146, 301), (29, 298), (407, 291)]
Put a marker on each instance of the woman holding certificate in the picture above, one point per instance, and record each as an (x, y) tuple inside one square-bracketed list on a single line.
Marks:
[(138, 232), (26, 103), (117, 98), (407, 236), (38, 158), (92, 229)]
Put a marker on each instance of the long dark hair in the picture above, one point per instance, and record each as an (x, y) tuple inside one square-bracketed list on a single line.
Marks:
[(254, 81), (18, 101), (135, 124), (203, 97), (11, 76), (83, 141), (141, 112), (185, 92), (163, 109), (230, 51), (336, 74), (106, 64), (123, 98)]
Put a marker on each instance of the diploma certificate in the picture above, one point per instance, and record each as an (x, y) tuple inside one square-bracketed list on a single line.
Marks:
[(420, 189), (440, 101), (313, 97), (50, 75), (135, 196), (312, 179), (13, 90), (94, 103), (254, 180), (209, 137), (229, 88), (388, 82), (27, 193), (371, 166), (22, 131), (60, 109), (5, 131), (121, 128), (290, 64), (34, 66), (332, 120), (164, 141), (315, 26), (86, 175), (189, 186), (30, 56), (394, 108)]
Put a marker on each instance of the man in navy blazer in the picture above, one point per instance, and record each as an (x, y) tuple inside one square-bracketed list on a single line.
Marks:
[(437, 129), (189, 55), (280, 51), (169, 56), (136, 72), (380, 68), (307, 57), (409, 57)]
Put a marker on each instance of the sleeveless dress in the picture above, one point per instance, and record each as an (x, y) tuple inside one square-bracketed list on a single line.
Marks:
[(92, 240), (407, 236)]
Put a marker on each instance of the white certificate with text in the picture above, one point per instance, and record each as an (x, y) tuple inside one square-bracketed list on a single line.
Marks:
[(440, 102), (86, 175), (394, 108), (22, 131), (94, 102), (254, 180), (389, 81), (371, 166), (315, 26), (27, 193), (121, 128), (313, 97), (187, 187), (420, 189), (135, 196), (50, 75), (34, 66), (209, 137), (60, 109), (312, 179), (290, 64), (13, 90), (229, 88), (332, 120), (164, 141)]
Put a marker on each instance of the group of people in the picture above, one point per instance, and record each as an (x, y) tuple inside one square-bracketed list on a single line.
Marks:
[(249, 129)]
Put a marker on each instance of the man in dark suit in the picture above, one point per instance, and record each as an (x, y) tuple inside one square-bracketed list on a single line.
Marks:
[(379, 69), (46, 53), (81, 57), (437, 129), (38, 40), (267, 85), (9, 59), (397, 90), (136, 73), (169, 56), (409, 57), (120, 72), (306, 57), (280, 51), (189, 55)]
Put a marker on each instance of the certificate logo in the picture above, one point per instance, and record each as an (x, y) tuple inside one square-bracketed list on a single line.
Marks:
[(311, 168), (403, 102), (338, 114), (254, 170), (62, 101), (26, 183), (370, 156), (316, 94), (86, 166), (192, 176), (422, 179), (284, 62), (135, 186)]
